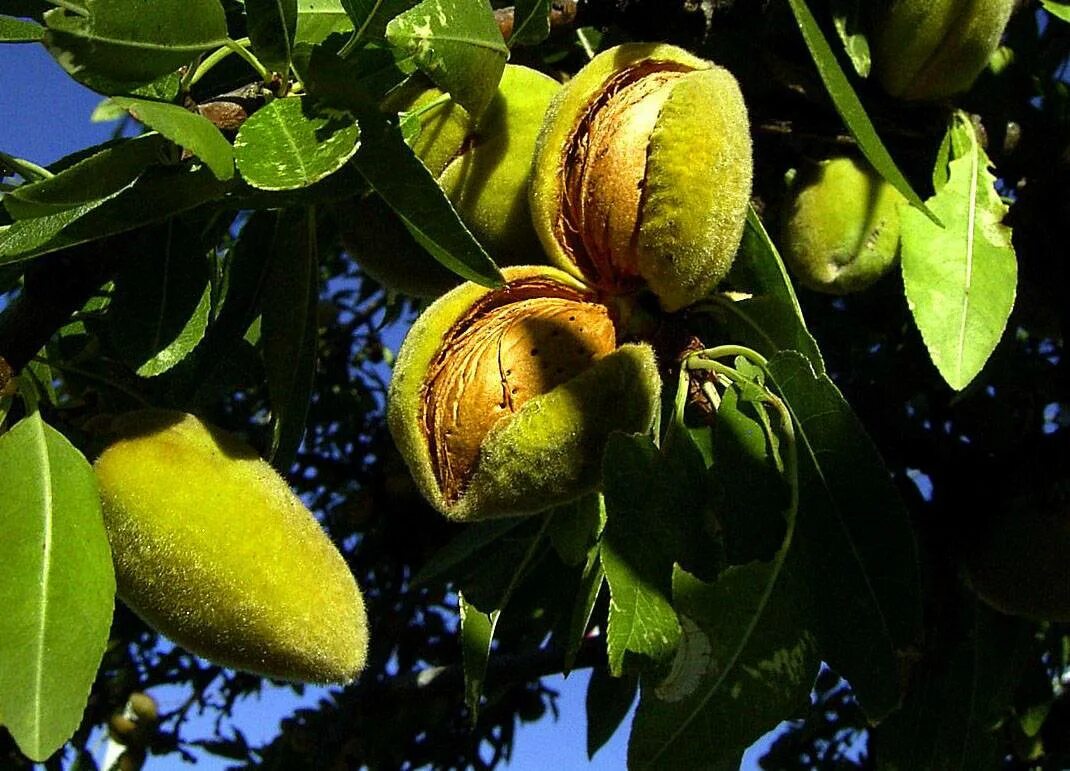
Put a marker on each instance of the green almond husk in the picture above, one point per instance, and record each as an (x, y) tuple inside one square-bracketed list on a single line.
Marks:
[(546, 454)]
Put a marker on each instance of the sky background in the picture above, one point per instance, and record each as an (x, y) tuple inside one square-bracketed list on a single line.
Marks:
[(44, 115)]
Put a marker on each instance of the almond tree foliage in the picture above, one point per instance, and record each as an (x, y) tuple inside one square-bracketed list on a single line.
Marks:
[(798, 540)]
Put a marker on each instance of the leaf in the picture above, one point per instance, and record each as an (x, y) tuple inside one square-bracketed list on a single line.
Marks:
[(746, 659), (575, 527), (289, 330), (458, 44), (608, 701), (100, 175), (159, 309), (19, 30), (470, 541), (962, 692), (477, 634), (134, 42), (272, 26), (531, 22), (370, 18), (1060, 9), (393, 170), (590, 587), (772, 319), (848, 105), (357, 83), (158, 194), (319, 19), (960, 279), (855, 542), (645, 533), (186, 129), (847, 18), (57, 586), (290, 144)]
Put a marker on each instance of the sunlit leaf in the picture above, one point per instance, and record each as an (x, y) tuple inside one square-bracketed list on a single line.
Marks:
[(187, 129), (19, 30)]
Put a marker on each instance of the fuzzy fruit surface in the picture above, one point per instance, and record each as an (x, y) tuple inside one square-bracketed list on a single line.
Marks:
[(933, 49), (841, 227), (642, 173), (1018, 563), (213, 549), (502, 399)]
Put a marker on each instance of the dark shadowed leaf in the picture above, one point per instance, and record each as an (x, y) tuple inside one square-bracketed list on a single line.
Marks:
[(272, 27), (477, 634), (57, 586), (531, 22), (370, 18), (608, 701)]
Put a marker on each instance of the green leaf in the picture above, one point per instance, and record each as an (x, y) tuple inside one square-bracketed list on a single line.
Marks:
[(855, 541), (272, 25), (19, 30), (358, 83), (159, 309), (458, 44), (772, 319), (57, 586), (290, 143), (319, 19), (960, 279), (158, 194), (590, 587), (531, 22), (370, 18), (575, 527), (186, 129), (643, 537), (134, 42), (289, 330), (847, 17), (393, 171), (469, 542), (608, 701), (963, 691), (102, 174), (477, 634), (848, 105), (1060, 9)]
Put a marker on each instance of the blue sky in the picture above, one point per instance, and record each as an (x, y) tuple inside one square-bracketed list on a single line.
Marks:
[(45, 115)]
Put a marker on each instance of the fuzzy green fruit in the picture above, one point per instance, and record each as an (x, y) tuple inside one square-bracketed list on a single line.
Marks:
[(213, 549), (841, 228), (502, 399), (642, 173), (932, 49)]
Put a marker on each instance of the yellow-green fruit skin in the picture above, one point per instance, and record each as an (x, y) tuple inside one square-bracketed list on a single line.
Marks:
[(549, 452), (213, 549), (694, 189), (841, 229), (933, 49)]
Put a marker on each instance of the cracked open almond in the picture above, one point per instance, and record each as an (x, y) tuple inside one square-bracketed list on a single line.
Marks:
[(502, 399)]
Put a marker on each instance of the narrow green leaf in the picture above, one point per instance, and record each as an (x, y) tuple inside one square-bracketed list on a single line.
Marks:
[(1060, 9), (856, 545), (358, 83), (272, 25), (531, 22), (187, 129), (319, 19), (458, 44), (607, 703), (477, 634), (159, 309), (289, 330), (847, 17), (848, 105), (57, 586), (575, 527), (100, 175), (134, 42), (393, 171), (590, 587), (961, 279), (20, 30), (370, 18), (291, 143), (771, 320)]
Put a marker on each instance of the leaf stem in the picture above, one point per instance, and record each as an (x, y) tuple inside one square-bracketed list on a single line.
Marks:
[(230, 47), (28, 170)]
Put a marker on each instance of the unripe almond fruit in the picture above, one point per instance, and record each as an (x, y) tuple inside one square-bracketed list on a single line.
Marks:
[(932, 49), (642, 173), (841, 226), (502, 399), (213, 549)]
